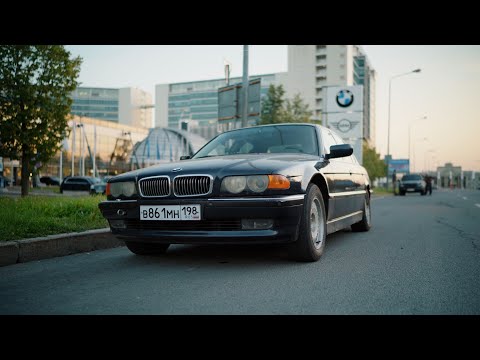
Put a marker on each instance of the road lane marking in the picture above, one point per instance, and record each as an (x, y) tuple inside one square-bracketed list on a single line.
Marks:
[(477, 205)]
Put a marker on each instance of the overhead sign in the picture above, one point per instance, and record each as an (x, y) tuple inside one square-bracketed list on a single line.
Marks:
[(343, 98), (400, 165), (230, 101)]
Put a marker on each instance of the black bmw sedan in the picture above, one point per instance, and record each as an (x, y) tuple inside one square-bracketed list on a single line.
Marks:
[(283, 183)]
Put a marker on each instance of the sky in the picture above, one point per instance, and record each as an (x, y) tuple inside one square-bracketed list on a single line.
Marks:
[(445, 91)]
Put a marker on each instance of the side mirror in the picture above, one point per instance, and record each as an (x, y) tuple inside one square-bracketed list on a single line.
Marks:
[(339, 151), (185, 157)]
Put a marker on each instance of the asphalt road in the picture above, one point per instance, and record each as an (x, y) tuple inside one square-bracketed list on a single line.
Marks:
[(422, 256)]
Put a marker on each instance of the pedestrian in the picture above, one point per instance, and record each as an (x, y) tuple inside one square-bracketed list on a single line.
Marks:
[(394, 181), (428, 180)]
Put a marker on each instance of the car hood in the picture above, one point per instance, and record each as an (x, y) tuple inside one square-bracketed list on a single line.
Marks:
[(288, 164)]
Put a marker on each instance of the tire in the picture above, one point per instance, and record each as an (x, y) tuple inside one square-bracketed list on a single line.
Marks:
[(146, 249), (312, 233), (402, 193), (366, 223)]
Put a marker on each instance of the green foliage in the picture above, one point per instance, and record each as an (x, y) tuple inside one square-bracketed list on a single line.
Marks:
[(35, 86), (276, 109), (375, 166), (35, 216)]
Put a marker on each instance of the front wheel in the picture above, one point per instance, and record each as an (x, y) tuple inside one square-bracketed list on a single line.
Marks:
[(313, 228), (146, 249), (366, 223)]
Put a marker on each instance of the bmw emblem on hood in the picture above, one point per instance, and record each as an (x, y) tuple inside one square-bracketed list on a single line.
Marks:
[(176, 169)]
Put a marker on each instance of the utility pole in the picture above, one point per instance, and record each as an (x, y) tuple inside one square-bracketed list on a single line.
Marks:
[(245, 86), (73, 147), (94, 149)]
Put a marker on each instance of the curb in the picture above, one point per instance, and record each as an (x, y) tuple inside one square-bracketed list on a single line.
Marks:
[(18, 251)]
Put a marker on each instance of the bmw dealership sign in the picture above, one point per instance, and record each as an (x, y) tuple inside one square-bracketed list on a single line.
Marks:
[(344, 98), (343, 113)]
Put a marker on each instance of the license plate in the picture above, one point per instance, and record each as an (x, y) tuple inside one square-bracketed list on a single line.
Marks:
[(410, 189), (170, 212)]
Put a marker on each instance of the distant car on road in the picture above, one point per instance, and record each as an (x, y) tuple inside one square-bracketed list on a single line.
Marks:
[(79, 183), (412, 183), (283, 183), (101, 187), (50, 180)]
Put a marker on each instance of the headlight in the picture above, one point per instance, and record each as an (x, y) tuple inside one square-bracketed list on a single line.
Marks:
[(254, 183), (257, 183), (125, 188), (234, 184)]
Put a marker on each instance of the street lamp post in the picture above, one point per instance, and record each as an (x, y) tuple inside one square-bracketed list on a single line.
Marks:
[(82, 159), (389, 112), (409, 136), (424, 139)]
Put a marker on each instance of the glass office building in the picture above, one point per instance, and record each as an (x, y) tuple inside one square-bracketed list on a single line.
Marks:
[(196, 103), (128, 106), (111, 145), (99, 103), (364, 74)]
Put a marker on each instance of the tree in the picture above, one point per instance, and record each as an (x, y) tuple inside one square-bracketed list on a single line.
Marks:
[(297, 111), (276, 109), (36, 82), (272, 106), (375, 166)]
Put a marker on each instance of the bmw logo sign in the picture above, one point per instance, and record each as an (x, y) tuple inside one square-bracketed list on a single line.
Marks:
[(344, 98)]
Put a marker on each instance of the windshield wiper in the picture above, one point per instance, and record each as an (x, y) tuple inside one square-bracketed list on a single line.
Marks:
[(207, 156)]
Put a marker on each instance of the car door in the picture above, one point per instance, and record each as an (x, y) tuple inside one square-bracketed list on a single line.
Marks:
[(345, 183), (336, 173), (68, 185), (83, 185)]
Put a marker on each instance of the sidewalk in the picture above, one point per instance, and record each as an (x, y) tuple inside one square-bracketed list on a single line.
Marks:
[(18, 251)]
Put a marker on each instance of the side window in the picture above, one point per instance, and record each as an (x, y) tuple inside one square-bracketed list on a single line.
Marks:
[(82, 181), (328, 140), (339, 140)]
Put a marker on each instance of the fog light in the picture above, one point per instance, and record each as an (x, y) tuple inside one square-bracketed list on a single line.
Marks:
[(117, 224), (256, 224)]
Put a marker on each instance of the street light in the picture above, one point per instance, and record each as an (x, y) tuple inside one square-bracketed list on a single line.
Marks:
[(424, 139), (426, 163), (389, 98), (82, 159), (409, 136)]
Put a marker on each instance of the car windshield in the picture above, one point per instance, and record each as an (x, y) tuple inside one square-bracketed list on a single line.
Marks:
[(259, 140), (411, 177)]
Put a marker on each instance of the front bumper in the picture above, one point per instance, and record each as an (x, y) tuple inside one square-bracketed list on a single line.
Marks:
[(411, 188), (221, 220)]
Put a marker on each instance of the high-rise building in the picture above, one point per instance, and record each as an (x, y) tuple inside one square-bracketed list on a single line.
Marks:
[(196, 102), (127, 106), (364, 74), (311, 68)]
